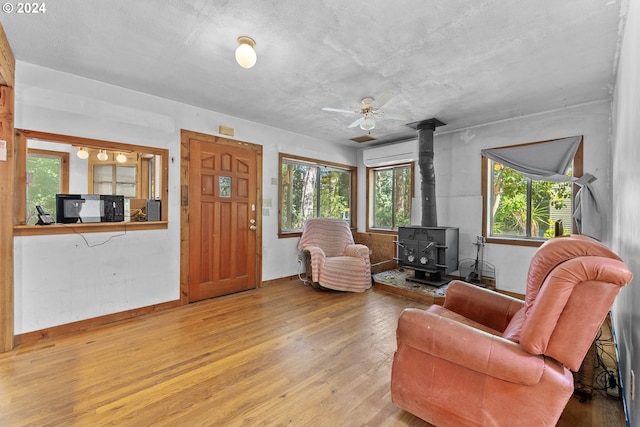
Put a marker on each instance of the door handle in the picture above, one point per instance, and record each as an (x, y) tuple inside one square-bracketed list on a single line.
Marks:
[(253, 228)]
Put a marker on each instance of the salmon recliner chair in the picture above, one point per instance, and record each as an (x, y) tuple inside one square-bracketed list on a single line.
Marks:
[(486, 359), (336, 261)]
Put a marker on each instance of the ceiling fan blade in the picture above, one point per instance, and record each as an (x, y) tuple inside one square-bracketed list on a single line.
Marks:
[(354, 124), (382, 99), (393, 116), (340, 110)]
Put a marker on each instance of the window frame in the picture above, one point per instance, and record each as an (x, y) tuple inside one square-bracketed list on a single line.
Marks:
[(371, 197), (353, 170), (486, 197), (132, 161), (20, 227)]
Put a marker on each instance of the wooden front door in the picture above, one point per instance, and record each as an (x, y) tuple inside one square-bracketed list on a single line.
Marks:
[(223, 217)]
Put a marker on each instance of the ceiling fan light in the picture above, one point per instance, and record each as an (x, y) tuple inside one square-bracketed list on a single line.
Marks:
[(367, 123), (245, 53)]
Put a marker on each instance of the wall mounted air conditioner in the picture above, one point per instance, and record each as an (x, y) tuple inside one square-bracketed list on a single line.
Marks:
[(382, 155)]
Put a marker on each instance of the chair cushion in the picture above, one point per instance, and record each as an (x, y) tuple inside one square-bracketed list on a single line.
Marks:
[(345, 273), (513, 329), (441, 311)]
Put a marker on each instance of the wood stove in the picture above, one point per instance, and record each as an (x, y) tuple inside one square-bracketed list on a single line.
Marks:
[(432, 250), (428, 248)]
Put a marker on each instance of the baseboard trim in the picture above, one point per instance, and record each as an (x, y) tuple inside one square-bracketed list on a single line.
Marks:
[(511, 294), (280, 280), (80, 325)]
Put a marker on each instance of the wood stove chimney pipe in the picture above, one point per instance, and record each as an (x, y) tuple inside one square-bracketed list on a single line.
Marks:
[(425, 130)]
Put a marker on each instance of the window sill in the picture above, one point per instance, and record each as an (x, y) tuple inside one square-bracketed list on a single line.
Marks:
[(515, 241), (97, 227), (381, 231), (286, 234)]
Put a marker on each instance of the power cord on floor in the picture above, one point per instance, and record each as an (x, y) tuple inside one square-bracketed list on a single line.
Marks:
[(304, 280), (606, 381)]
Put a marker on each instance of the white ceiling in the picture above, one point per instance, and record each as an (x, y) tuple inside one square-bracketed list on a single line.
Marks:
[(465, 62)]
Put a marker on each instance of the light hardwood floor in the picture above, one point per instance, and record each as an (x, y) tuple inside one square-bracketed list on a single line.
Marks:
[(286, 354)]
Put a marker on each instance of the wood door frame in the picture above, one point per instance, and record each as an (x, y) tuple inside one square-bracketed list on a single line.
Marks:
[(185, 137), (7, 193)]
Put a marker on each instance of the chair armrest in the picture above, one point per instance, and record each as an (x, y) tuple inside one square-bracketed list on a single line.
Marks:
[(489, 308), (318, 257), (357, 250), (468, 347)]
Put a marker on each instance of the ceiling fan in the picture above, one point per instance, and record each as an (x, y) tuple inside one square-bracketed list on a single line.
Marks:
[(371, 110)]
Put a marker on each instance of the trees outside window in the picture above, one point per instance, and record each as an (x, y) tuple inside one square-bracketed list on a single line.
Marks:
[(521, 207), (390, 194), (47, 175), (309, 189)]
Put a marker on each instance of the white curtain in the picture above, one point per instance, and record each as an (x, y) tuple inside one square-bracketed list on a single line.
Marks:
[(549, 161)]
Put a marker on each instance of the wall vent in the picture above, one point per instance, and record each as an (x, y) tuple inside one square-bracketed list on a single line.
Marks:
[(363, 138)]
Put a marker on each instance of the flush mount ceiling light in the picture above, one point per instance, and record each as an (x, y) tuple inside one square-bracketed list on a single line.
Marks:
[(367, 123), (82, 153), (245, 53), (102, 155)]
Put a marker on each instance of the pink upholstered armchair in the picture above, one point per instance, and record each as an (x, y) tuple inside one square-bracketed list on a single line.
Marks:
[(486, 359), (336, 262)]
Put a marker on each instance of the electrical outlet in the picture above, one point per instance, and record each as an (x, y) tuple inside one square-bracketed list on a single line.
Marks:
[(299, 257), (632, 386)]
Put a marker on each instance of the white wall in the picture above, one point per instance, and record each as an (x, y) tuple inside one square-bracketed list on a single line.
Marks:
[(626, 203), (65, 278), (458, 175), (112, 272)]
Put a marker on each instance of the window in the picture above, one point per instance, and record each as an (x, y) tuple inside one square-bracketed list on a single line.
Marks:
[(520, 209), (313, 189), (127, 176), (115, 179), (61, 164), (47, 175), (390, 194)]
